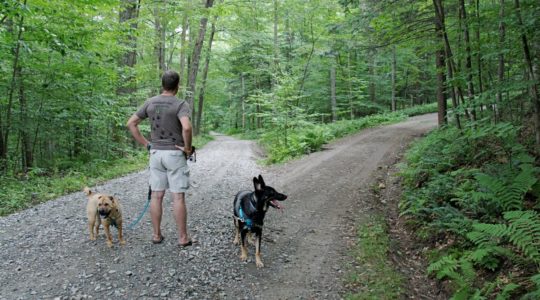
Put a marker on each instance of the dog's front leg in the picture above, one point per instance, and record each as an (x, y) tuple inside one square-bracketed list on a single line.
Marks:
[(243, 247), (258, 260), (91, 224), (120, 236), (97, 222), (237, 234), (107, 226)]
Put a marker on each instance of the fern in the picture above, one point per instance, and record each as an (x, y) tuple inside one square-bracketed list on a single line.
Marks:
[(533, 295), (461, 271), (487, 233), (446, 266), (488, 256), (506, 195), (523, 231), (506, 293)]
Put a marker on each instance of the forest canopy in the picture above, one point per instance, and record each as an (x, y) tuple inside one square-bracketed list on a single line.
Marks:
[(74, 71)]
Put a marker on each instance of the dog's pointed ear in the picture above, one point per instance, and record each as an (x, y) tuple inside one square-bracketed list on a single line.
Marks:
[(261, 181), (111, 198), (257, 184)]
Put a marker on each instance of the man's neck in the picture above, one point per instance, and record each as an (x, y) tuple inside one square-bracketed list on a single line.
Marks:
[(168, 93)]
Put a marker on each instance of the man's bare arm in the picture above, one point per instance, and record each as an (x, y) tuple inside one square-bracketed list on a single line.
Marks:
[(187, 132), (133, 126)]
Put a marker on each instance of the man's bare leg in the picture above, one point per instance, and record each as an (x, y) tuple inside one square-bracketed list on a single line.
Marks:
[(180, 215), (156, 211)]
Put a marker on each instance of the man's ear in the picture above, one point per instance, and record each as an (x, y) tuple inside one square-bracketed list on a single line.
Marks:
[(257, 184)]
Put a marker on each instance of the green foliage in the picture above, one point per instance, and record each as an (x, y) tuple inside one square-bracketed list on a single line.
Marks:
[(522, 231), (40, 185), (304, 137), (476, 186), (534, 294), (459, 271), (505, 196)]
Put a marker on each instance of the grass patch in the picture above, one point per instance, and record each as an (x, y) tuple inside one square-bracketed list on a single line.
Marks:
[(374, 276), (40, 185)]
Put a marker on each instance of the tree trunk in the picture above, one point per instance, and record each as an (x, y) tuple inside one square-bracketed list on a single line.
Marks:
[(372, 73), (333, 92), (24, 130), (439, 9), (205, 76), (159, 25), (306, 67), (468, 63), (242, 98), (530, 69), (351, 105), (195, 57), (16, 57), (440, 64), (479, 49), (129, 13), (276, 47), (500, 68), (394, 78), (183, 47)]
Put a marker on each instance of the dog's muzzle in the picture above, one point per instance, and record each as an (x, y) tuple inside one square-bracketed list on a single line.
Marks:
[(103, 213)]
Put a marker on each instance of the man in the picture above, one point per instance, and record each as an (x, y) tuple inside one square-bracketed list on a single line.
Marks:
[(170, 146)]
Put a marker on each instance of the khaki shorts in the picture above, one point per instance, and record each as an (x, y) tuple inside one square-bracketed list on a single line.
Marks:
[(168, 170)]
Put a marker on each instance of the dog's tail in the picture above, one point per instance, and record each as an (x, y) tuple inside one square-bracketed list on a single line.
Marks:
[(87, 191)]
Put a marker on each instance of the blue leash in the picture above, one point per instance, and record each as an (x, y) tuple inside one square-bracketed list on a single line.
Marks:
[(130, 226)]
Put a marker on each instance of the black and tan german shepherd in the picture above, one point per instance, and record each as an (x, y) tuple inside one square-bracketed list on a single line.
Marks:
[(249, 211)]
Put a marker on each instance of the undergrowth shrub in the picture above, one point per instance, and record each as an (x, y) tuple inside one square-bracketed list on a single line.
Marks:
[(301, 138), (474, 193)]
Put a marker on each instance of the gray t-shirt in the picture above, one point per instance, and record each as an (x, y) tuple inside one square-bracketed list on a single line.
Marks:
[(164, 113)]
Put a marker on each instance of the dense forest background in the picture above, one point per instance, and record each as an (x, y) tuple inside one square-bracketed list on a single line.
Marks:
[(74, 71)]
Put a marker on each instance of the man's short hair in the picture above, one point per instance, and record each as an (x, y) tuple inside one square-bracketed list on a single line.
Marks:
[(170, 80)]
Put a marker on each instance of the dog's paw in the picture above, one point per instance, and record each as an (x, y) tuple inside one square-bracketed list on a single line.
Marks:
[(236, 241), (243, 257), (109, 244), (122, 242), (259, 263), (92, 238)]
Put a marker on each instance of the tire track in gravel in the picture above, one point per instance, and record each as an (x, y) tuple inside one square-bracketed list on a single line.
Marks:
[(45, 252)]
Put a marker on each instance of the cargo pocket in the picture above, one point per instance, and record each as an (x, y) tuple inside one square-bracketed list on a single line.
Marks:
[(184, 183)]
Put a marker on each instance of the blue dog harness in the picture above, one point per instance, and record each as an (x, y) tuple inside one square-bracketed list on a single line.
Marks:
[(243, 218), (243, 215)]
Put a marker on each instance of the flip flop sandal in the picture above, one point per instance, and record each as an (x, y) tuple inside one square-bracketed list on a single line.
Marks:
[(191, 242), (158, 241)]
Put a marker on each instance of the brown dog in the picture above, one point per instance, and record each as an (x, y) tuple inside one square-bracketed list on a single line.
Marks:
[(106, 209)]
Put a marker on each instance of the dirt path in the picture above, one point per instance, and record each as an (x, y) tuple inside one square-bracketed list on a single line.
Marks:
[(45, 251)]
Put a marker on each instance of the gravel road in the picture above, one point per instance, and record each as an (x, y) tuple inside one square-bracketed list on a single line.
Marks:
[(46, 254)]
